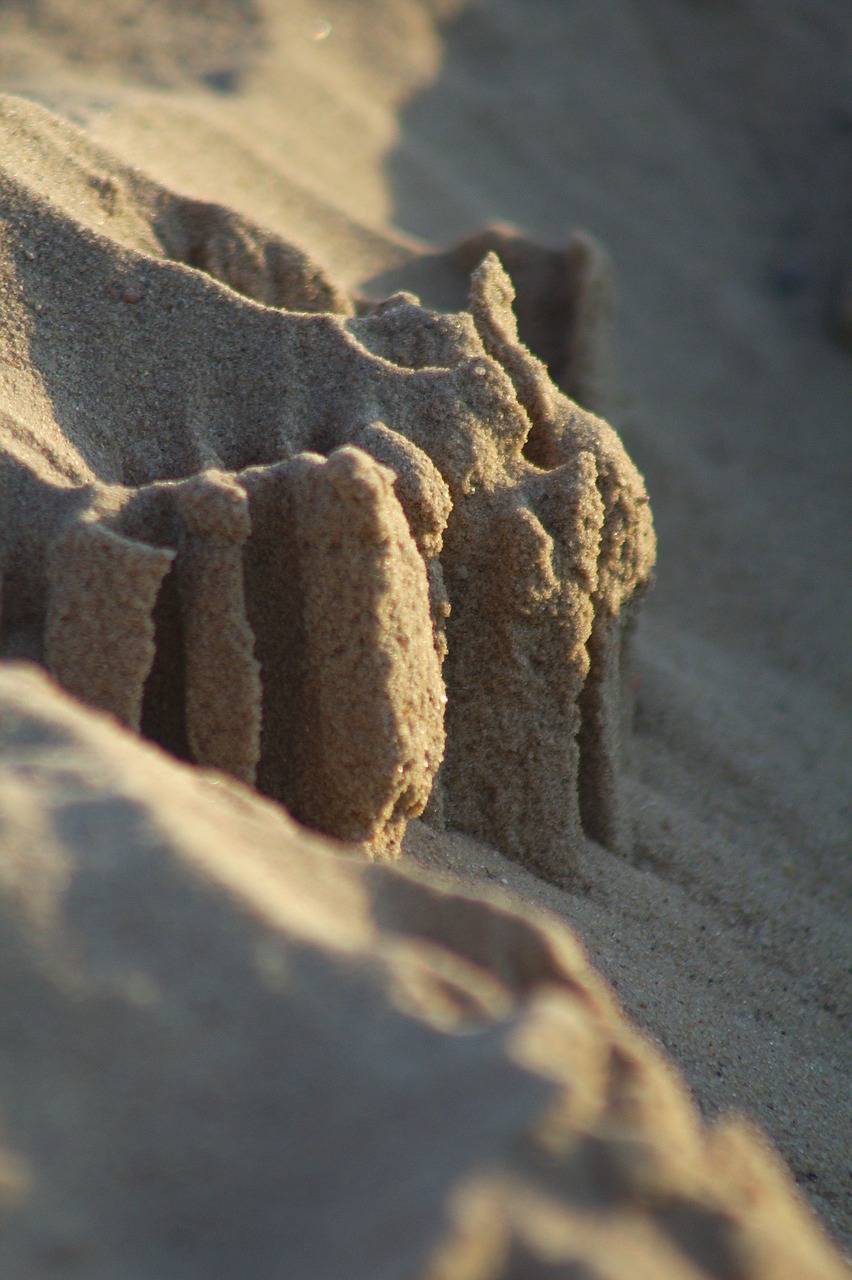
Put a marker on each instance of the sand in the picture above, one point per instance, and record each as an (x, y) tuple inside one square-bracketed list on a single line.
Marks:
[(707, 149), (233, 1048)]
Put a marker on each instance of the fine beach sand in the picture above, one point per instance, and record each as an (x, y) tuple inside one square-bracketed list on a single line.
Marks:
[(708, 149)]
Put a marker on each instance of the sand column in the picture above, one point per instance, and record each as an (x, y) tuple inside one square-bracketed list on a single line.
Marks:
[(222, 690), (99, 641)]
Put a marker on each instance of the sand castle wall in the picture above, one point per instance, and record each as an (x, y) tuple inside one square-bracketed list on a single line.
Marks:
[(177, 549)]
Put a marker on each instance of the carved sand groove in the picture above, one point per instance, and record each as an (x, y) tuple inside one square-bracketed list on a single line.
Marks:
[(177, 552)]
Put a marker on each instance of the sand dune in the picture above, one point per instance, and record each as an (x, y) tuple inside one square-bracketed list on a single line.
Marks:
[(200, 210)]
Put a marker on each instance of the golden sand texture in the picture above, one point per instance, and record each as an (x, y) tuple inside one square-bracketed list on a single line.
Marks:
[(240, 1053), (707, 147), (177, 552)]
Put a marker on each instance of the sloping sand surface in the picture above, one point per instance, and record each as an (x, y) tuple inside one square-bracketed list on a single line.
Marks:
[(234, 1049), (708, 149)]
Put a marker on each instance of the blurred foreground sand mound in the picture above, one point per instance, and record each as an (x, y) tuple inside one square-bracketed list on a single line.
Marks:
[(238, 1049)]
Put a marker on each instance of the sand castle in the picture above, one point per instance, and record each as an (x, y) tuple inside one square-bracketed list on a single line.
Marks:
[(231, 1047), (270, 581)]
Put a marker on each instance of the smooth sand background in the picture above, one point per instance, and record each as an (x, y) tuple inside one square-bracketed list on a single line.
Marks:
[(709, 148)]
